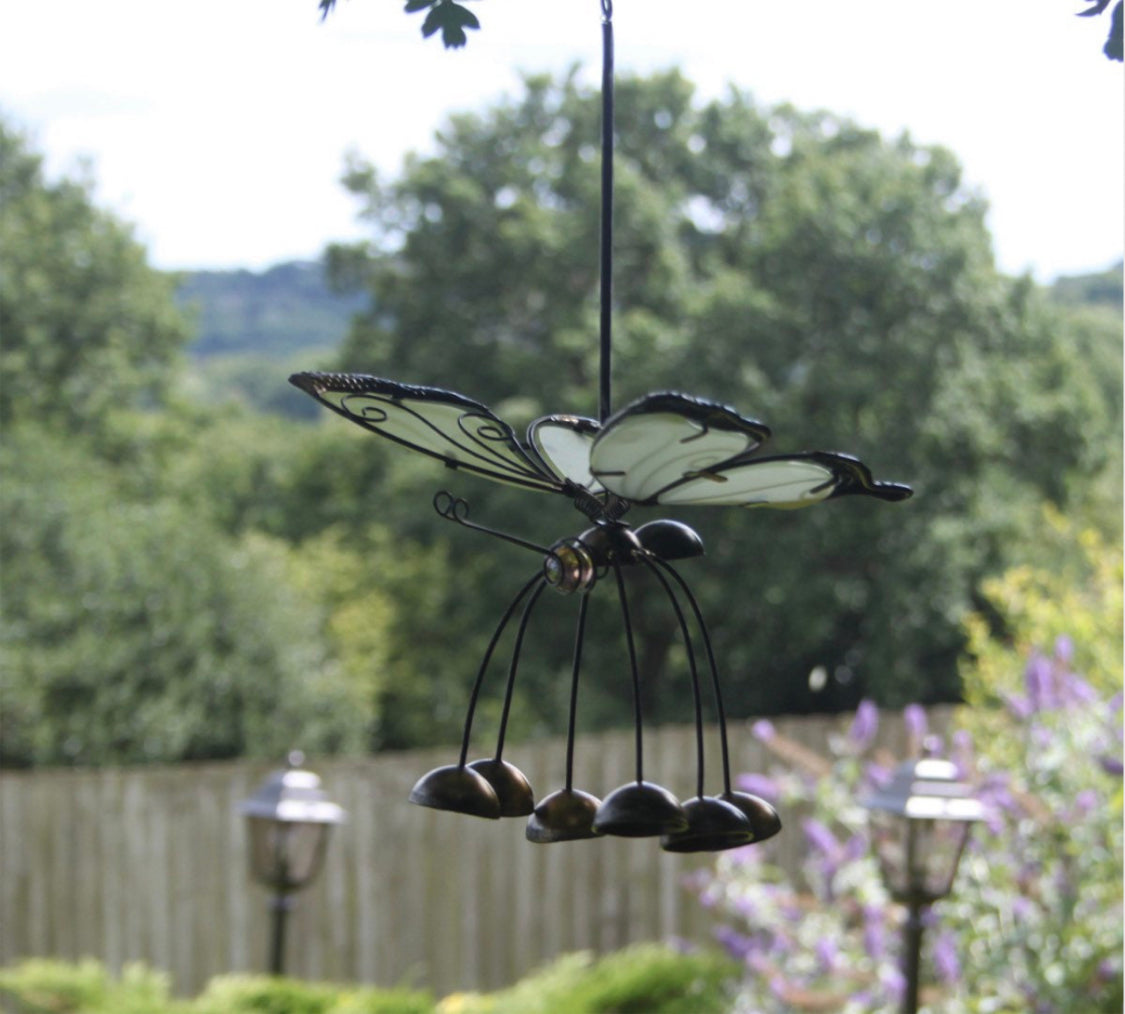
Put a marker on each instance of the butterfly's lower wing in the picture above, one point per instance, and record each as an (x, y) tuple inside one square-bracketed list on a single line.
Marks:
[(784, 482), (563, 443), (456, 430), (673, 449), (652, 444)]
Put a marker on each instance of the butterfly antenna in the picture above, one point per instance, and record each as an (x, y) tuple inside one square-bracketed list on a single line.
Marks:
[(455, 509)]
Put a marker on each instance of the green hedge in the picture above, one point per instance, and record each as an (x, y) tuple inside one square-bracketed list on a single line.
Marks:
[(645, 979)]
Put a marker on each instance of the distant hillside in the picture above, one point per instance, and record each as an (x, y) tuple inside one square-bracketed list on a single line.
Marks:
[(255, 328), (1101, 289), (272, 314)]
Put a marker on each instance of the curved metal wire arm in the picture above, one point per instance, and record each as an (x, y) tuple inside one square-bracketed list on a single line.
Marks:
[(516, 649), (455, 509), (508, 613), (647, 560), (629, 641), (579, 637), (721, 713)]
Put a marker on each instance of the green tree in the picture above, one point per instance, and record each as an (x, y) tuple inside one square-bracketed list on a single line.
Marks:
[(147, 614), (134, 630), (86, 325), (835, 284)]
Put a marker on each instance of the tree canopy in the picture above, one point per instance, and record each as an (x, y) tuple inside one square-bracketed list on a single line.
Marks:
[(185, 578), (834, 284), (139, 622)]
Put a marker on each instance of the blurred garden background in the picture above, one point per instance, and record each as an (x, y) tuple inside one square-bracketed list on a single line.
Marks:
[(200, 573)]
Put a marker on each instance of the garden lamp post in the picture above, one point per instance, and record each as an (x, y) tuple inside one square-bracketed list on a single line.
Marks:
[(920, 823), (289, 819)]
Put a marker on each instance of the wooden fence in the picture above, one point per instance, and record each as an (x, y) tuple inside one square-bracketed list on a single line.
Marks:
[(149, 865)]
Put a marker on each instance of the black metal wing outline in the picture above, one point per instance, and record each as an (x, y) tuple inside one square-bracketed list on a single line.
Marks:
[(462, 433), (664, 448)]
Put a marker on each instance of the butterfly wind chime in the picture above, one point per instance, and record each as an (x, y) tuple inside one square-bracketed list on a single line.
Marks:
[(665, 449)]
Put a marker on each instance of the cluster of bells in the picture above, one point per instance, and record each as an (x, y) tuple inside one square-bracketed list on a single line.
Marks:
[(494, 788)]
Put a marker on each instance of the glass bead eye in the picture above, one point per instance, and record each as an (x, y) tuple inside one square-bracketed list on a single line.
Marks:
[(569, 567)]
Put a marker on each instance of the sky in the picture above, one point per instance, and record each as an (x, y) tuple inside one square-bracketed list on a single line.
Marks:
[(219, 128)]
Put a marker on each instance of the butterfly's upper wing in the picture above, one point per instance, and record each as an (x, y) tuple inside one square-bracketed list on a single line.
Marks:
[(653, 444), (443, 424), (671, 449)]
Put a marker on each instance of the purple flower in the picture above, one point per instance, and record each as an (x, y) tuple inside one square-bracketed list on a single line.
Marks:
[(864, 726), (760, 785), (856, 848), (737, 945), (1064, 649), (893, 981), (1020, 706), (914, 718), (1112, 765), (874, 931), (877, 775), (946, 963), (963, 752), (747, 907), (1085, 802), (822, 839), (827, 953), (1038, 682), (1076, 690), (763, 729)]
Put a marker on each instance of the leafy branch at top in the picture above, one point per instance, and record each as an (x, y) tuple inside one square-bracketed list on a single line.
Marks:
[(1113, 45), (447, 16)]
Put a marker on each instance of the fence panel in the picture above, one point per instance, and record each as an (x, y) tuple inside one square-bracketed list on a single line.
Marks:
[(149, 864)]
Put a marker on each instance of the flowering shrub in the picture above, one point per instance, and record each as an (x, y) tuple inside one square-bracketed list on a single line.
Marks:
[(1035, 919)]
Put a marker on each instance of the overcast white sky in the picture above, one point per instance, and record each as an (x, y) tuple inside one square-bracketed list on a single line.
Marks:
[(219, 127)]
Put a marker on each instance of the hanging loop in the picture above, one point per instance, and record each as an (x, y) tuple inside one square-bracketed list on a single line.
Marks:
[(607, 9)]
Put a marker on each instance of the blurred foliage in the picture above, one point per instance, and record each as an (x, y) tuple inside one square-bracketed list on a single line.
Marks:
[(147, 614), (186, 559), (1034, 920), (135, 630), (643, 978), (647, 978), (41, 985), (87, 325), (256, 994), (834, 284), (1071, 593)]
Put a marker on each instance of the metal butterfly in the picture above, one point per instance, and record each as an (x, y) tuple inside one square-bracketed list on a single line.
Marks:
[(664, 448)]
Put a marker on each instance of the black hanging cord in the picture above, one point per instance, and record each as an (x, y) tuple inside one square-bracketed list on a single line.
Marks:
[(604, 400)]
